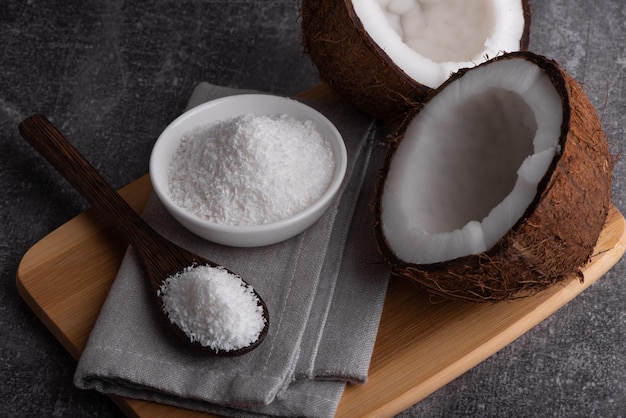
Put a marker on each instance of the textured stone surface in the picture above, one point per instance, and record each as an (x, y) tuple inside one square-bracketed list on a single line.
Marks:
[(112, 74)]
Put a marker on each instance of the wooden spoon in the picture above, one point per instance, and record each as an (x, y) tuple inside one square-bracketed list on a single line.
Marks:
[(161, 258)]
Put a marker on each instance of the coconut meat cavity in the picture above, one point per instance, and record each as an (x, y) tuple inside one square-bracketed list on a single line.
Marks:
[(430, 39), (442, 30), (470, 162)]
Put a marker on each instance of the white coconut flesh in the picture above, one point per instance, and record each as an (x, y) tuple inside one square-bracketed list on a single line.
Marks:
[(470, 162), (430, 39)]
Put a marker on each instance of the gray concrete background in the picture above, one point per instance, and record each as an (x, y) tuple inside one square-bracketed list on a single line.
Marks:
[(112, 74)]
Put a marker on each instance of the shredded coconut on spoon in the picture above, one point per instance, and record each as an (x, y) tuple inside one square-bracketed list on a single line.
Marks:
[(213, 307)]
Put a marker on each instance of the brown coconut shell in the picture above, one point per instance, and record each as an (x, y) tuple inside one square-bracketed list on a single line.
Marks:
[(353, 65), (557, 234)]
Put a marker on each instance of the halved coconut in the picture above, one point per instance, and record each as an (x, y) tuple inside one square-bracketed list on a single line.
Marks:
[(386, 55), (499, 185)]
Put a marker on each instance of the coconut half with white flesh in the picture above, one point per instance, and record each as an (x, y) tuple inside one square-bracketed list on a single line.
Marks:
[(387, 55), (499, 185)]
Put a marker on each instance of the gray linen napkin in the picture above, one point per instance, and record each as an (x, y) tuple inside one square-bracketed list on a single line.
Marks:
[(324, 289)]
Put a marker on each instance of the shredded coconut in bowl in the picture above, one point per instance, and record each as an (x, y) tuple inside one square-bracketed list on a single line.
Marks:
[(251, 170)]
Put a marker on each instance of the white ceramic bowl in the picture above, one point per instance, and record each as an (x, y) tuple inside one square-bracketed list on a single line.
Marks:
[(232, 106)]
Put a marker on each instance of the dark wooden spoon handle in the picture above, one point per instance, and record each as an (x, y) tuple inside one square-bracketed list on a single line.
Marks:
[(42, 135), (67, 160)]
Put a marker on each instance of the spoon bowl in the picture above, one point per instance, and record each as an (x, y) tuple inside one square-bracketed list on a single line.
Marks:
[(161, 258)]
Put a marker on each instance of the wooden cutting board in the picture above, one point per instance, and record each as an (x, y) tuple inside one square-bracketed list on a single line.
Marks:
[(65, 278)]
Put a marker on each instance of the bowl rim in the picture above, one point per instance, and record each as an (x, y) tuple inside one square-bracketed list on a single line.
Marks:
[(306, 113)]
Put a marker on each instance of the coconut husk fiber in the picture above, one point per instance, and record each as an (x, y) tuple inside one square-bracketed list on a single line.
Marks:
[(353, 65), (557, 234)]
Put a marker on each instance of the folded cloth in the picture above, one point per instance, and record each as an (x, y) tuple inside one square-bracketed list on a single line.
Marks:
[(324, 289)]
